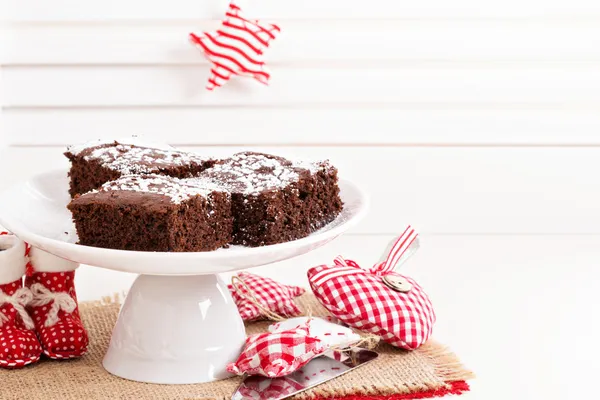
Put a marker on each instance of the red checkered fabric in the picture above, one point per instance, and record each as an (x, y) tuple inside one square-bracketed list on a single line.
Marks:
[(277, 354), (361, 299), (274, 296)]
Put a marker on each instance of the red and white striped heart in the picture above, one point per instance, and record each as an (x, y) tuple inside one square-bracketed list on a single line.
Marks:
[(379, 300)]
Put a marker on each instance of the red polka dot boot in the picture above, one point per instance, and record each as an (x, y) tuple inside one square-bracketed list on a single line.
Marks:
[(19, 345), (54, 308)]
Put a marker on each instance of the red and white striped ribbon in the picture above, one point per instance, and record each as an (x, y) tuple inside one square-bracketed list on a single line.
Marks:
[(399, 250), (342, 262), (331, 273)]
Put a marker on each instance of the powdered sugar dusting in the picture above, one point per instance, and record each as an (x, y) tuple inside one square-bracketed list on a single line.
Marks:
[(251, 173), (130, 159), (132, 140), (306, 164), (177, 190)]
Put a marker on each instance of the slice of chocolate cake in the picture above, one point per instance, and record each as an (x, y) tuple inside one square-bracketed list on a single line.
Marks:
[(154, 213), (276, 200), (96, 163)]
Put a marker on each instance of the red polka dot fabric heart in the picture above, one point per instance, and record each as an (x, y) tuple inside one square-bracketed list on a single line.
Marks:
[(272, 296), (276, 354), (379, 300), (55, 313)]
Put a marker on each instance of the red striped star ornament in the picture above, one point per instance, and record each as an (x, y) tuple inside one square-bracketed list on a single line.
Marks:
[(236, 48)]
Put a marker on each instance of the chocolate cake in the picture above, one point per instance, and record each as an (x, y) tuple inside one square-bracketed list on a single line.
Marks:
[(276, 200), (154, 213), (250, 199), (94, 164)]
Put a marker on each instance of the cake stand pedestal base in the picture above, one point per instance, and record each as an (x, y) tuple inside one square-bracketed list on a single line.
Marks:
[(176, 330)]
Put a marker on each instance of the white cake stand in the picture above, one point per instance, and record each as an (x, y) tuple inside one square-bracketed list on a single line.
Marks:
[(178, 324)]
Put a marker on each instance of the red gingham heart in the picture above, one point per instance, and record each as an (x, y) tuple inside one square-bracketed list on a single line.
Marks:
[(276, 354), (271, 295), (361, 299)]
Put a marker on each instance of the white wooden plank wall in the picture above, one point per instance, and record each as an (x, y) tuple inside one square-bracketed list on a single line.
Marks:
[(458, 117), (478, 122)]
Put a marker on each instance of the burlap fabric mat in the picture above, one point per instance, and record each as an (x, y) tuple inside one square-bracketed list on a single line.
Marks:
[(394, 372)]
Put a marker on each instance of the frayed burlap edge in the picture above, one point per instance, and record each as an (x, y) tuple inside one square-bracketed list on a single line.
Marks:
[(446, 366), (429, 369), (446, 363)]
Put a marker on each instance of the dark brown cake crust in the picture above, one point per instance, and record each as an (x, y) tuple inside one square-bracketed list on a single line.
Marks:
[(152, 221), (93, 166)]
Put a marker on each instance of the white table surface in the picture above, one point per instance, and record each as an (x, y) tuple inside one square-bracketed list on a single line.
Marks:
[(518, 310)]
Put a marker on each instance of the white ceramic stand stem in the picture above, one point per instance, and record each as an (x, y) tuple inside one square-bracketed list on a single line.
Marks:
[(175, 330)]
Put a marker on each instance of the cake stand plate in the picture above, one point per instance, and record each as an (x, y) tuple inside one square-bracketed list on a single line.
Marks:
[(178, 324)]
